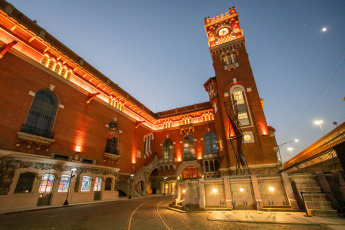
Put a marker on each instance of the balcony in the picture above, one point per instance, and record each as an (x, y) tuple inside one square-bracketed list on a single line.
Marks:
[(35, 135)]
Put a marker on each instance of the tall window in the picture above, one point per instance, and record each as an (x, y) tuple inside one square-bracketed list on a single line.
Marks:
[(241, 106), (25, 182), (97, 184), (85, 185), (113, 138), (107, 186), (210, 142), (168, 149), (64, 183), (188, 148), (42, 114)]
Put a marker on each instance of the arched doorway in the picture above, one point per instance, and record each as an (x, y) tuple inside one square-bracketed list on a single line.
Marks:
[(154, 182)]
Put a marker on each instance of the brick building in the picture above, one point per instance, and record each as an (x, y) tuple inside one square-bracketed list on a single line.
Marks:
[(67, 127)]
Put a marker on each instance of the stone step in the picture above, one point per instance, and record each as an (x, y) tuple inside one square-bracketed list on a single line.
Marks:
[(329, 213), (308, 184), (319, 205), (315, 197), (280, 210), (310, 189), (277, 206)]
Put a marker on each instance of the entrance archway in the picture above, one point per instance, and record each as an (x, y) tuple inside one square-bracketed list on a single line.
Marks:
[(154, 182)]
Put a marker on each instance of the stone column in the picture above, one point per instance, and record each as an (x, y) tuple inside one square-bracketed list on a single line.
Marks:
[(257, 193), (178, 191), (341, 181), (289, 192), (187, 194), (227, 193), (202, 193)]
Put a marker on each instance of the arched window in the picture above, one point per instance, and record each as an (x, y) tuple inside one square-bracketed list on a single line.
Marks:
[(25, 182), (168, 149), (51, 64), (211, 166), (239, 98), (63, 72), (44, 60), (206, 166), (188, 148), (57, 68), (112, 138), (210, 143), (42, 114)]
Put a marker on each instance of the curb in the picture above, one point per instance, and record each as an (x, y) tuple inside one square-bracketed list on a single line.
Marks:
[(268, 222)]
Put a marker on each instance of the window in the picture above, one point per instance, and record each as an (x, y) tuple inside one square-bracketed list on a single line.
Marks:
[(51, 64), (168, 149), (44, 60), (64, 183), (112, 138), (42, 114), (61, 157), (47, 182), (85, 185), (210, 143), (238, 96), (147, 143), (68, 74), (57, 69), (25, 182), (107, 186), (63, 72), (188, 148), (97, 184)]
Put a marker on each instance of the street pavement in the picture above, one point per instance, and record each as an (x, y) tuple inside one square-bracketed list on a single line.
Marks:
[(151, 213)]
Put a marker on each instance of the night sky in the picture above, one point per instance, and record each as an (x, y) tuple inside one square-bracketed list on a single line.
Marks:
[(158, 52)]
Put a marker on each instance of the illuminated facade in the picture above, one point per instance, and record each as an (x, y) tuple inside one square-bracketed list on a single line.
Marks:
[(67, 127)]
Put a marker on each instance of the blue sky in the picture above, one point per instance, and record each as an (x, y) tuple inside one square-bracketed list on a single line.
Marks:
[(158, 52)]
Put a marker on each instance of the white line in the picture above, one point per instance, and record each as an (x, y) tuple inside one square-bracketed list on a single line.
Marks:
[(161, 217), (130, 219)]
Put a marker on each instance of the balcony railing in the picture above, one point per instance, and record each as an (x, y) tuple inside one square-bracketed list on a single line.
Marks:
[(37, 131)]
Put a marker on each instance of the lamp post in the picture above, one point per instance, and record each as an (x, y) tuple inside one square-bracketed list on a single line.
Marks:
[(69, 184), (164, 185), (295, 140), (319, 123), (130, 186)]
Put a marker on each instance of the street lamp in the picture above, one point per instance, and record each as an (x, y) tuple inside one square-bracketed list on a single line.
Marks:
[(164, 185), (69, 183), (290, 149), (294, 140), (319, 123), (130, 186)]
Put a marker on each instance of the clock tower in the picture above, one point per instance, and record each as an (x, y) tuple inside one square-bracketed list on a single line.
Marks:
[(248, 144)]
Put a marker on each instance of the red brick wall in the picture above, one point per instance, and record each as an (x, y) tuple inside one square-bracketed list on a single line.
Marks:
[(261, 151), (76, 123)]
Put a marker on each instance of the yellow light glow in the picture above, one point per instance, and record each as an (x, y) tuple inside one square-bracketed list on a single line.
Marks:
[(271, 189), (215, 190), (241, 189), (183, 191)]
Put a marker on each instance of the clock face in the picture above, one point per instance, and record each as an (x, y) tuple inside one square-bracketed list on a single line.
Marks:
[(223, 32), (247, 137)]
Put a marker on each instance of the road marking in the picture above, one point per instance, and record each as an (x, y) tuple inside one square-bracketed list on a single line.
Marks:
[(161, 217), (130, 219)]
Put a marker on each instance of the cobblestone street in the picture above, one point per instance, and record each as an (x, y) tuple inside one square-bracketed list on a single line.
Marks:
[(146, 213)]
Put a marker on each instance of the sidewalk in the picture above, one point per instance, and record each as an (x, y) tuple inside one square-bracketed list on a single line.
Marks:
[(274, 217)]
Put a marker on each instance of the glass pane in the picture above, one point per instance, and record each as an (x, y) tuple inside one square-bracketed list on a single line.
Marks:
[(85, 186), (64, 183), (97, 184)]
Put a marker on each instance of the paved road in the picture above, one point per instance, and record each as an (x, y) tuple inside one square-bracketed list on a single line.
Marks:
[(136, 214)]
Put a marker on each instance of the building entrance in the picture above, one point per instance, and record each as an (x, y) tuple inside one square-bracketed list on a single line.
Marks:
[(45, 189)]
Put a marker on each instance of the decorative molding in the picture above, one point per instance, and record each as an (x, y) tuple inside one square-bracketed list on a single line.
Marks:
[(31, 137)]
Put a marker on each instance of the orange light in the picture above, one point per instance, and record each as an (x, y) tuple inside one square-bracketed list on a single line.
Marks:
[(78, 148)]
